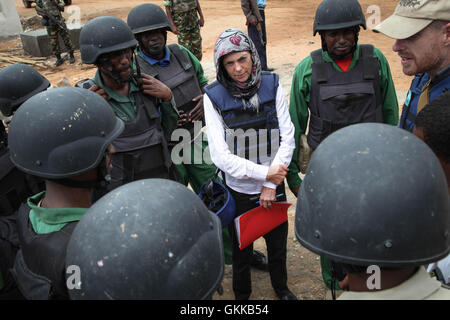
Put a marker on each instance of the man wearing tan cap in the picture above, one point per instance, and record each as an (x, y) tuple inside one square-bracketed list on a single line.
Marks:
[(422, 30)]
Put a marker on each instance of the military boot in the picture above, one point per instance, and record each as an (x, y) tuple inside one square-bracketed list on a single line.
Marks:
[(72, 58), (59, 60)]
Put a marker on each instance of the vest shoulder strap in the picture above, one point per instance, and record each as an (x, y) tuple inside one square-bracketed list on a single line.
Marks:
[(181, 56), (317, 57), (148, 103), (212, 84), (370, 69), (366, 50), (146, 67), (319, 66), (209, 90)]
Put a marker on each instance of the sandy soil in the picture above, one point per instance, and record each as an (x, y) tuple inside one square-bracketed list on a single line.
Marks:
[(290, 39)]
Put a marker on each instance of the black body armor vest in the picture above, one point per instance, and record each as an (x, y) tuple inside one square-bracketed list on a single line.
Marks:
[(339, 99), (179, 76), (15, 185), (39, 268)]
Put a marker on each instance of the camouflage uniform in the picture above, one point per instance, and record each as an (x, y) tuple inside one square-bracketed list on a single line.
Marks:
[(186, 21), (54, 30)]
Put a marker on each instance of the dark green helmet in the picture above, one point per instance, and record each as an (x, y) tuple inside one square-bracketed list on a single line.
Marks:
[(146, 17), (62, 132), (19, 82), (149, 239), (104, 35), (374, 194), (338, 14)]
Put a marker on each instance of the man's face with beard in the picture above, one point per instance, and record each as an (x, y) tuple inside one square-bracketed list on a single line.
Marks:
[(340, 42), (153, 42), (117, 64)]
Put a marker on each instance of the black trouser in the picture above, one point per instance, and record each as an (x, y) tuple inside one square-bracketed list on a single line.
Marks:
[(276, 241), (253, 33)]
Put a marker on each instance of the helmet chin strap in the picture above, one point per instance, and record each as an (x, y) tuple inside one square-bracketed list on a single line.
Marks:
[(115, 74), (103, 179)]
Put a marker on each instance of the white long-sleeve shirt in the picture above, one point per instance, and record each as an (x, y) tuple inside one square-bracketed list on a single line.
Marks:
[(243, 175)]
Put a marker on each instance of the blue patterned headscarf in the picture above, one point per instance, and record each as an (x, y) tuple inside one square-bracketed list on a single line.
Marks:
[(235, 40)]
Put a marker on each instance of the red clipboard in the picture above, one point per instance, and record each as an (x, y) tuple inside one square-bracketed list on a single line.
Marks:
[(257, 222)]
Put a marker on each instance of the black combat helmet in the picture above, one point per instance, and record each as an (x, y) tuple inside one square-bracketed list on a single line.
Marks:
[(146, 17), (148, 239), (338, 14), (62, 132), (19, 82), (104, 35), (374, 194)]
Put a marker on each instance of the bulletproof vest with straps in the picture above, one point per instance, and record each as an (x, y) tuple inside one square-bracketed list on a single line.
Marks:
[(250, 134), (39, 268), (141, 149), (439, 85), (339, 99), (179, 76), (15, 185)]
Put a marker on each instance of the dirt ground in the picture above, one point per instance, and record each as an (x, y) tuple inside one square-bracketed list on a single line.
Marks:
[(289, 33)]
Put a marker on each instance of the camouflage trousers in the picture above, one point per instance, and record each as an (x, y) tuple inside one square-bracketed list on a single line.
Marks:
[(53, 32), (189, 31)]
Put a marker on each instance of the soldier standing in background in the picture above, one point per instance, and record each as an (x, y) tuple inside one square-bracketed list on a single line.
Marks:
[(256, 26), (186, 23), (50, 10)]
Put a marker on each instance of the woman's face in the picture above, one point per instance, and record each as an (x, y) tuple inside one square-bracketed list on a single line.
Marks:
[(238, 65)]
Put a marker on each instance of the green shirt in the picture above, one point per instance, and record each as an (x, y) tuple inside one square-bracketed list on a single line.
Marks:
[(300, 97), (45, 220), (125, 107)]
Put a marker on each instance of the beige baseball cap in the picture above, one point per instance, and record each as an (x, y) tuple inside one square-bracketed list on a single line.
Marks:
[(412, 16)]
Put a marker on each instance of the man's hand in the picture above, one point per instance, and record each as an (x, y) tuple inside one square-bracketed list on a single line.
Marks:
[(95, 88), (252, 20), (154, 87), (197, 113), (182, 119), (267, 197), (277, 173)]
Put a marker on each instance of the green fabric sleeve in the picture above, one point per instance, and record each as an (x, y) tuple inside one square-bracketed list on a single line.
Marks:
[(388, 94), (298, 110), (169, 117)]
